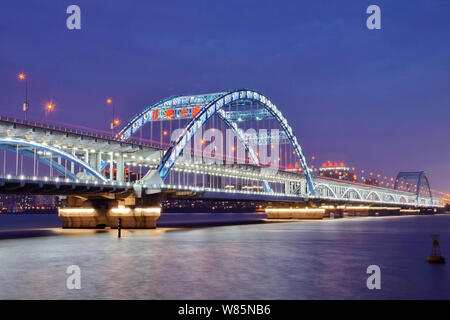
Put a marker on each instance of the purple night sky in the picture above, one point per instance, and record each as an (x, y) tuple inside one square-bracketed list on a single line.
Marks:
[(374, 99)]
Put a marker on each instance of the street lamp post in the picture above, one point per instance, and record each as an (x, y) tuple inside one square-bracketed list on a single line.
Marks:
[(114, 122), (110, 102), (26, 105), (49, 107)]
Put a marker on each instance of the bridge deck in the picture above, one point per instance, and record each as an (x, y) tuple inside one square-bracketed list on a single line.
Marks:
[(49, 187)]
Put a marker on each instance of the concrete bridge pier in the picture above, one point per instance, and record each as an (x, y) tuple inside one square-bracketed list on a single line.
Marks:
[(285, 212), (332, 212), (81, 213), (428, 210), (101, 212)]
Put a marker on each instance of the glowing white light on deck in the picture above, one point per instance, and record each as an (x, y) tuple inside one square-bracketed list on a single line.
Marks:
[(294, 210), (76, 211), (121, 210), (150, 210)]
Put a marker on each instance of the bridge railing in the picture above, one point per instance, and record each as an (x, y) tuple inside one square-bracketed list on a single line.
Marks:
[(55, 180), (77, 131)]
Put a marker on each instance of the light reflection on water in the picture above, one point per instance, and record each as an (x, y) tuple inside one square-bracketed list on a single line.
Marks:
[(304, 260)]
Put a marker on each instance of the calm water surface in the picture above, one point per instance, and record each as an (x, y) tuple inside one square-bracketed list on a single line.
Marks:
[(301, 260)]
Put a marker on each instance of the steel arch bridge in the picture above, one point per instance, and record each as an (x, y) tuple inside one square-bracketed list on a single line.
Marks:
[(414, 181), (330, 189), (42, 153), (203, 108), (103, 159)]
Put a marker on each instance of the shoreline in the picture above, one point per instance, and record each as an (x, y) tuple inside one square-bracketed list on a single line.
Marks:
[(22, 232)]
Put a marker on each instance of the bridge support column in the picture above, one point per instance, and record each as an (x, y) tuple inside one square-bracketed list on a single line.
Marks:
[(92, 159), (287, 187), (98, 165), (72, 165), (303, 187), (86, 158), (101, 213), (120, 168), (111, 166)]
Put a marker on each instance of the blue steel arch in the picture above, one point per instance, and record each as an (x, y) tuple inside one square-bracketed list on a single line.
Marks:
[(327, 187), (201, 100), (347, 191), (247, 147), (12, 144), (210, 105), (420, 178), (375, 193), (176, 100), (389, 196)]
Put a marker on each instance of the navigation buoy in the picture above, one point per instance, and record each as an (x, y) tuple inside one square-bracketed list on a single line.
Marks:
[(435, 256)]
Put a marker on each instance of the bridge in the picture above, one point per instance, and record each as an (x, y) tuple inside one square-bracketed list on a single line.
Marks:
[(233, 146)]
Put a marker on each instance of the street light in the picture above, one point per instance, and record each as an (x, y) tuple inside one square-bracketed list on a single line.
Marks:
[(49, 107), (26, 105), (114, 122)]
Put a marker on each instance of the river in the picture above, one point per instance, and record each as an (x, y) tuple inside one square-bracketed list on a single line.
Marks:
[(294, 260)]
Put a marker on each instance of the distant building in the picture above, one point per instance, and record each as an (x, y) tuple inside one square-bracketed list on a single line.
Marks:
[(337, 171), (20, 203)]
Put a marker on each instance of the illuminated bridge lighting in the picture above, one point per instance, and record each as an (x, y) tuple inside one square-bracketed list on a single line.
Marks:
[(179, 157)]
